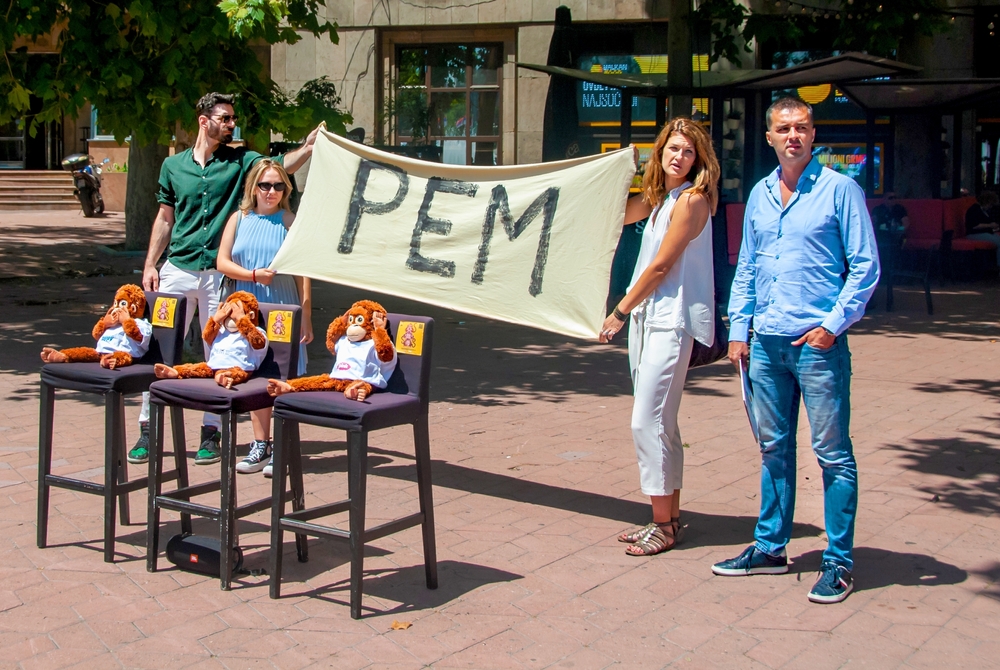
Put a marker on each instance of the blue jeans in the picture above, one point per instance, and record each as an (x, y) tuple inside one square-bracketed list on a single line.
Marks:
[(781, 374)]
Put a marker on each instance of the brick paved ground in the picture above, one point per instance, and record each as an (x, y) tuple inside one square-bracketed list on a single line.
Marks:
[(534, 475)]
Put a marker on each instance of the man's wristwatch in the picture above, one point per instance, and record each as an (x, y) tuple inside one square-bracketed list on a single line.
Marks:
[(828, 331)]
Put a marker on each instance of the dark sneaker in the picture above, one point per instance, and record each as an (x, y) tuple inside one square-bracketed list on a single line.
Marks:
[(752, 562), (833, 585), (257, 459), (208, 452), (269, 468), (140, 452)]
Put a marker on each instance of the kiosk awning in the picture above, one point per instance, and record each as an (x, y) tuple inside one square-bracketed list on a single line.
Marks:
[(845, 67), (922, 94)]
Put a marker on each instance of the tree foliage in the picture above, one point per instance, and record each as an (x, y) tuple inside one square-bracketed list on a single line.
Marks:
[(144, 63), (872, 26)]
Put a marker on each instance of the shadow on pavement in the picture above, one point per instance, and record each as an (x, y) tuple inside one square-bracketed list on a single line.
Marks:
[(879, 568), (992, 575), (969, 461), (406, 586)]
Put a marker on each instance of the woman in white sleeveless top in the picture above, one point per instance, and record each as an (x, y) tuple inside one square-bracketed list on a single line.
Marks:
[(671, 304)]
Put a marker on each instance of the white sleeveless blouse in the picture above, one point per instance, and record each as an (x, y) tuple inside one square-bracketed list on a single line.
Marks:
[(686, 297)]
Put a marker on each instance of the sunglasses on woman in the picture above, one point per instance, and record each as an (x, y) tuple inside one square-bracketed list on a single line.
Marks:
[(266, 186)]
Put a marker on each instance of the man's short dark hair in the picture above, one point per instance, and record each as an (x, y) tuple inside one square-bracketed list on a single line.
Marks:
[(788, 102), (208, 102)]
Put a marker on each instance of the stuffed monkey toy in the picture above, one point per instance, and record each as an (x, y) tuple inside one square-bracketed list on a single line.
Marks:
[(365, 357), (122, 334), (237, 346)]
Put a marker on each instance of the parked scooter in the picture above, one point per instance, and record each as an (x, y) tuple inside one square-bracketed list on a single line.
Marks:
[(87, 182)]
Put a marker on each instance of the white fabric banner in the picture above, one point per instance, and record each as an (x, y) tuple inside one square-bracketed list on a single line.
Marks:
[(528, 244)]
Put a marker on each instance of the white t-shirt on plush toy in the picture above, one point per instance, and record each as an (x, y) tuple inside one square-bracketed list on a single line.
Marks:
[(358, 360), (232, 350), (115, 339)]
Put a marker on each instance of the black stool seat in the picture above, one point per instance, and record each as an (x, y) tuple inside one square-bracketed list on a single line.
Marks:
[(165, 346), (280, 361), (404, 401), (332, 410), (92, 378), (205, 395)]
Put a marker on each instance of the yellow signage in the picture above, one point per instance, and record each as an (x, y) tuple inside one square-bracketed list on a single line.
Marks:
[(163, 312), (279, 326), (410, 338)]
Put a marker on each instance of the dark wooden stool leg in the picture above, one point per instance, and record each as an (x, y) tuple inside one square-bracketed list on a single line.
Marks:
[(294, 463), (124, 514), (47, 398), (422, 446), (180, 456), (112, 402), (227, 504), (357, 452), (154, 485), (277, 504)]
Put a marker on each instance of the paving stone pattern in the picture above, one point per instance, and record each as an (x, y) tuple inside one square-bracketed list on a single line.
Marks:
[(534, 475)]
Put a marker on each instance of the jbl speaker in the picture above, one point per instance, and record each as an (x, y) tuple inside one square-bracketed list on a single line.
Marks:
[(196, 553)]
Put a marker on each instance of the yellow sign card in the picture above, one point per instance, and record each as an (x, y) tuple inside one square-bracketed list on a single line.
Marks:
[(279, 326), (410, 338), (163, 312)]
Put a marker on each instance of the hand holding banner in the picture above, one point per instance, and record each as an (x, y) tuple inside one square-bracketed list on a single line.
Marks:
[(528, 244)]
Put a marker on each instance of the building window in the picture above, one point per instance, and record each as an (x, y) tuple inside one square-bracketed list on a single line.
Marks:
[(448, 96)]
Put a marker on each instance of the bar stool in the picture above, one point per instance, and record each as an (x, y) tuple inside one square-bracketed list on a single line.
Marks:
[(282, 324), (405, 401), (166, 346)]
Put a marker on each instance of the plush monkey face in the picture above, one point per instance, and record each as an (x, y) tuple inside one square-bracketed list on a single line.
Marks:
[(244, 303), (359, 320), (131, 299)]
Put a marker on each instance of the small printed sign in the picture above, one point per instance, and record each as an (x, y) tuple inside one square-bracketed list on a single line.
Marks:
[(410, 338), (163, 312), (279, 326)]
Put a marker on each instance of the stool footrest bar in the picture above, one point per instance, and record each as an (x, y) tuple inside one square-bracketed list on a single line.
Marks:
[(186, 507), (318, 512), (78, 485), (196, 490), (394, 526), (313, 529)]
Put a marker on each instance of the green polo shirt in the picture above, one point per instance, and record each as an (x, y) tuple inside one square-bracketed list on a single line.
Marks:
[(203, 199)]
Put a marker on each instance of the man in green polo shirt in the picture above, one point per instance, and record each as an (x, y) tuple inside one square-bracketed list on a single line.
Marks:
[(199, 189)]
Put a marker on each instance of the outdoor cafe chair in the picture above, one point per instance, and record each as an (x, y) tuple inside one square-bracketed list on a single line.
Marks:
[(404, 401), (205, 395), (166, 346)]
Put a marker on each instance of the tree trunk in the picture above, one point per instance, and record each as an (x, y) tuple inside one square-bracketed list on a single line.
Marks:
[(140, 197), (679, 71)]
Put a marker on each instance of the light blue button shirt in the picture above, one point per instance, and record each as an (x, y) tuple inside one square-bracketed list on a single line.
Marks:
[(813, 262)]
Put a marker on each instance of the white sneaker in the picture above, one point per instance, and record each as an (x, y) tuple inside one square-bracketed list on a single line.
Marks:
[(269, 468), (255, 461)]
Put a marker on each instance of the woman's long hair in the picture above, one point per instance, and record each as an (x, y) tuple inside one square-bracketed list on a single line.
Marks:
[(250, 187), (704, 174)]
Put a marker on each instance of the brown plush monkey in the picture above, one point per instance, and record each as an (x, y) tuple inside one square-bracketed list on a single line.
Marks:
[(122, 334), (236, 345), (365, 357)]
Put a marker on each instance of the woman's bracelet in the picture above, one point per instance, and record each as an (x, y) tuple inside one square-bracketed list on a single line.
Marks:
[(618, 314), (253, 276)]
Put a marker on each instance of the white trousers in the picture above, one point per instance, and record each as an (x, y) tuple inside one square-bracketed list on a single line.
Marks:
[(659, 361), (201, 289)]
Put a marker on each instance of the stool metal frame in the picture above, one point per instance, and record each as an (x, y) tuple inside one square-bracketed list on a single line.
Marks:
[(281, 361), (405, 401), (166, 345)]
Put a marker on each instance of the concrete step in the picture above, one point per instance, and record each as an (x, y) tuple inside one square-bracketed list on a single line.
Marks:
[(39, 205)]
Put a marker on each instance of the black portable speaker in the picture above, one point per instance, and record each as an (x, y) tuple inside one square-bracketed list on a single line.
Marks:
[(196, 553)]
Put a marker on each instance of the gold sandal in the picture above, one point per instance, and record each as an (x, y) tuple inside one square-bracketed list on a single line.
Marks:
[(654, 540)]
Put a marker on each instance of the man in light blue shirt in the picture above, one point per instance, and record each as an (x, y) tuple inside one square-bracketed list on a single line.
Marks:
[(807, 267)]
